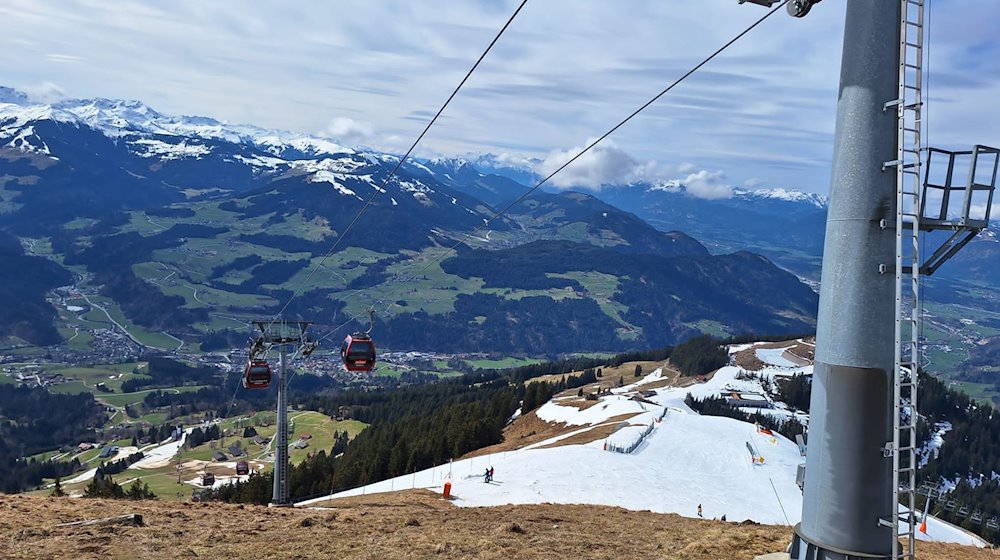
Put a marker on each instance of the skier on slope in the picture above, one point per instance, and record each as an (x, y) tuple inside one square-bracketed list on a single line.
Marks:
[(699, 511), (486, 476)]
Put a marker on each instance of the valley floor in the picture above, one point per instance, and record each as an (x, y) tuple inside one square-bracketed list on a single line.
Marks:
[(413, 524)]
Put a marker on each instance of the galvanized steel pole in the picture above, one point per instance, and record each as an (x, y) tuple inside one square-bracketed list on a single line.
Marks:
[(848, 481), (280, 488)]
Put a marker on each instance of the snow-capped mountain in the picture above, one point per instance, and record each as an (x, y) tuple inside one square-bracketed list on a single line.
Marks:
[(133, 119), (99, 156), (8, 95), (786, 195)]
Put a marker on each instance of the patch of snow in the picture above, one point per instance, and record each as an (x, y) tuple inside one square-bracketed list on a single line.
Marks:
[(160, 455), (686, 460), (774, 357), (166, 151), (415, 187), (819, 201), (332, 178), (671, 186), (942, 531), (608, 407), (933, 445), (263, 161), (82, 477)]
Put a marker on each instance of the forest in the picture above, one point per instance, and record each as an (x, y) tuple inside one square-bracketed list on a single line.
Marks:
[(699, 355), (24, 281), (167, 372), (969, 456), (25, 432), (412, 428)]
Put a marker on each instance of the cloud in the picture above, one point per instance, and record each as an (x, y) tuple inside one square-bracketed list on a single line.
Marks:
[(44, 92), (763, 109), (708, 185), (350, 131), (604, 165), (57, 57)]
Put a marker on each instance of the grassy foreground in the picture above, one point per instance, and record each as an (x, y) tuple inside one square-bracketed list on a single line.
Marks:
[(416, 524)]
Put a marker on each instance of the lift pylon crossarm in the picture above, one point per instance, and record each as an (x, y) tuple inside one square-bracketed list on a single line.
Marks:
[(796, 8), (976, 192), (939, 198)]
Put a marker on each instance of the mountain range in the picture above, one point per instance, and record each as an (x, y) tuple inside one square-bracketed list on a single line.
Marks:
[(246, 217)]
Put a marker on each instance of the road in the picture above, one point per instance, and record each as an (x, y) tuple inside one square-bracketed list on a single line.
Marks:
[(110, 318)]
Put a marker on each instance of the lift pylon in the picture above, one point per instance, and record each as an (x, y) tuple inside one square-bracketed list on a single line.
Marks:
[(283, 334)]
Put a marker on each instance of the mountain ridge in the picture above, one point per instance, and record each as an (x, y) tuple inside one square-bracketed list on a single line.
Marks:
[(193, 194)]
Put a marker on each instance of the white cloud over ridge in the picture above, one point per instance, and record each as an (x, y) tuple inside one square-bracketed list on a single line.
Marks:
[(708, 185), (44, 92), (376, 71), (605, 164), (608, 166), (349, 131)]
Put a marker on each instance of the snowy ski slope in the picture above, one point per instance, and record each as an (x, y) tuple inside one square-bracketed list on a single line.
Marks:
[(686, 460)]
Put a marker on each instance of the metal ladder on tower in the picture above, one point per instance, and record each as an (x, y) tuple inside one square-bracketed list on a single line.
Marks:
[(909, 111)]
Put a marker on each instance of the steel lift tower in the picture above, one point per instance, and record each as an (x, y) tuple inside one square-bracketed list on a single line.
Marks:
[(861, 462), (283, 334)]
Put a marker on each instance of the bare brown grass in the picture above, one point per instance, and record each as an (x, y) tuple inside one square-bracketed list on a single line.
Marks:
[(748, 360), (414, 524), (525, 430)]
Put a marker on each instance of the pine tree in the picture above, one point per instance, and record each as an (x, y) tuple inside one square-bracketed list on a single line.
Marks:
[(103, 487), (139, 491), (57, 490)]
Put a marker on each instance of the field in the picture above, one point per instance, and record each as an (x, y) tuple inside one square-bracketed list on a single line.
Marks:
[(414, 524), (163, 478), (950, 331), (502, 364)]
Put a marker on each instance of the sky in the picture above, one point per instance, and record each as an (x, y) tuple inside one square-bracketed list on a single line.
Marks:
[(372, 73)]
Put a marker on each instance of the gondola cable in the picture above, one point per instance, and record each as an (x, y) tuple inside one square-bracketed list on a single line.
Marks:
[(586, 149), (371, 199), (385, 183), (392, 173)]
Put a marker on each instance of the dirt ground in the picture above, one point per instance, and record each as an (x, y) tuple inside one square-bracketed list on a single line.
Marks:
[(414, 524), (748, 360), (801, 353)]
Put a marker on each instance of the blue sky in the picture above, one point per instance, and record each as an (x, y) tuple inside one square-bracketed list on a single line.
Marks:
[(373, 72)]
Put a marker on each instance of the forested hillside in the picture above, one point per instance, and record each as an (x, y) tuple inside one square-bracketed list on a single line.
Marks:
[(24, 281), (412, 428), (34, 420)]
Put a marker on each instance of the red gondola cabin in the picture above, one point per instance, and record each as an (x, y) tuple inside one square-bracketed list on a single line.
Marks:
[(242, 468), (358, 352), (207, 479), (257, 375)]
